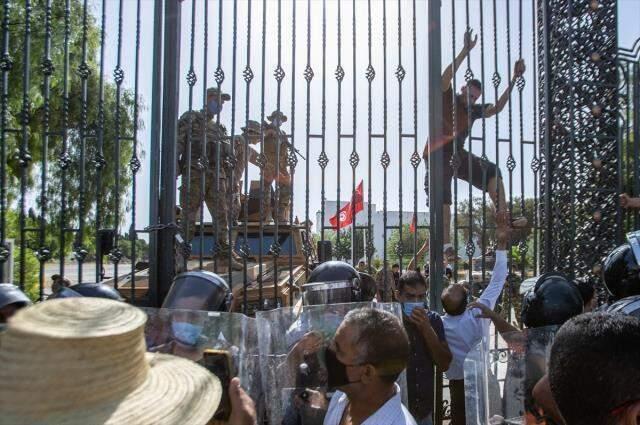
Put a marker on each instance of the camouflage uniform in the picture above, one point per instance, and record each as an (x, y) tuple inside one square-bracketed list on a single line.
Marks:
[(249, 134), (215, 192), (273, 137)]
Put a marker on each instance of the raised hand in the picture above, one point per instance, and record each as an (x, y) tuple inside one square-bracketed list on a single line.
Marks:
[(469, 40), (519, 68), (485, 311), (503, 229)]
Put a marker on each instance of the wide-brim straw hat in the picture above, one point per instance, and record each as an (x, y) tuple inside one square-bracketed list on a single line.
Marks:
[(84, 361)]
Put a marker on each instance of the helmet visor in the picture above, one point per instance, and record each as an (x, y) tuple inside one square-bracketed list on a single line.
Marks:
[(634, 241)]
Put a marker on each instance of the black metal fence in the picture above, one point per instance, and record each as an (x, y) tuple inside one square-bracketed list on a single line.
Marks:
[(105, 132)]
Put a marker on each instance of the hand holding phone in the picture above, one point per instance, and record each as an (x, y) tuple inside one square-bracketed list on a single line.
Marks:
[(219, 363)]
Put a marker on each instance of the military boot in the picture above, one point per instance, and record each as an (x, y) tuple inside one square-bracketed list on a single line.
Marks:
[(222, 256), (283, 215)]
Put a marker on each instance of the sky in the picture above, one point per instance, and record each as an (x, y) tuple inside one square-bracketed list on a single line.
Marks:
[(353, 108)]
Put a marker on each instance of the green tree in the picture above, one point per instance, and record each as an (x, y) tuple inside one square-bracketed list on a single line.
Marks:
[(485, 227), (409, 245), (483, 220), (342, 248), (142, 248), (65, 190), (31, 266)]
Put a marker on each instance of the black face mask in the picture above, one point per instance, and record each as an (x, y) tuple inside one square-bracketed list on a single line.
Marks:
[(457, 311), (336, 371)]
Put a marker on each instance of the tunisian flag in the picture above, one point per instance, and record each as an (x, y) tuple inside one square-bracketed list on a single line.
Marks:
[(346, 215)]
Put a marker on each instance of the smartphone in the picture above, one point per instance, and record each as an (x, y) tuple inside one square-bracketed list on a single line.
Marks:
[(220, 363)]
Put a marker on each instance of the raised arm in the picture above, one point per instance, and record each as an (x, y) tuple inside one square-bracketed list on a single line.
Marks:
[(469, 43), (503, 235), (502, 326), (518, 71)]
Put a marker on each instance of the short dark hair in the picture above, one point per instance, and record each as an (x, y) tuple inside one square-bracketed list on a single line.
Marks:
[(382, 341), (395, 265), (411, 278), (598, 353), (476, 83), (587, 288)]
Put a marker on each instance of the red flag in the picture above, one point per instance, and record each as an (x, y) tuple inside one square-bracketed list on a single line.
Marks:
[(414, 224), (346, 215)]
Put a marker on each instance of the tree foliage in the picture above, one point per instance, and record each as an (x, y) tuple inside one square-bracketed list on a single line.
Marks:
[(409, 245), (70, 200), (342, 248)]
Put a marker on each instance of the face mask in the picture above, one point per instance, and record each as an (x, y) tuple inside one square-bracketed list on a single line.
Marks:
[(336, 371), (186, 333), (407, 308), (213, 107)]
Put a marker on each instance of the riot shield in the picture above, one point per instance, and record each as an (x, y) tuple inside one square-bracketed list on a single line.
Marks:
[(188, 333), (521, 360), (292, 345)]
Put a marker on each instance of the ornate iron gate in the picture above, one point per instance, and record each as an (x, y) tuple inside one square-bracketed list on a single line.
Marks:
[(79, 172)]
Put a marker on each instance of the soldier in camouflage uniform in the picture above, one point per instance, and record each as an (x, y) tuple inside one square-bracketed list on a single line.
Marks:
[(272, 137), (250, 136), (191, 126)]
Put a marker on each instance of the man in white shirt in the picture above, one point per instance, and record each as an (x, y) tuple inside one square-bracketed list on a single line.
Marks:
[(463, 329), (368, 353)]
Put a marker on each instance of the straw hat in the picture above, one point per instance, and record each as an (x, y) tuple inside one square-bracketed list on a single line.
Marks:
[(83, 361)]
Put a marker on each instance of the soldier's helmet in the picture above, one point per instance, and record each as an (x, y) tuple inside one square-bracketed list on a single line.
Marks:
[(92, 290), (11, 294), (198, 290), (629, 305), (621, 269), (215, 91), (252, 128), (332, 282), (554, 300), (277, 116)]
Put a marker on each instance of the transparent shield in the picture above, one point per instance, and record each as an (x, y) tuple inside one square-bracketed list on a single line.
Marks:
[(188, 333), (525, 355), (292, 342)]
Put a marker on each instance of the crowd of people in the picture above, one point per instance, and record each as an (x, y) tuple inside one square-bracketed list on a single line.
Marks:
[(589, 375)]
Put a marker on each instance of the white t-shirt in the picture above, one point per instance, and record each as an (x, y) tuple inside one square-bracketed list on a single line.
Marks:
[(392, 412), (464, 331)]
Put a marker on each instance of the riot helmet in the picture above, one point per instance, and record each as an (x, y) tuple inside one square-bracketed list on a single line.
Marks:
[(332, 282), (64, 292), (96, 290), (629, 306), (11, 299), (198, 290), (621, 270), (552, 301)]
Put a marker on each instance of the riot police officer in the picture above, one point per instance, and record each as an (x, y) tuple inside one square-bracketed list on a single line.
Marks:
[(12, 299), (621, 269)]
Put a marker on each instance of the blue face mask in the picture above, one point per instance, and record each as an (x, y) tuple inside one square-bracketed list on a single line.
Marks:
[(186, 333), (407, 308), (213, 107)]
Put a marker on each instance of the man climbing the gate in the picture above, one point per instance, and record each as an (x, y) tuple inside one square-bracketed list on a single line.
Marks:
[(461, 109), (191, 127)]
